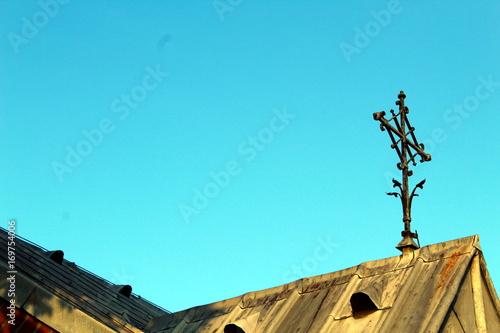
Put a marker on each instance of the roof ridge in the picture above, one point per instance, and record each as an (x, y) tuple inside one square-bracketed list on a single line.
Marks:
[(82, 269)]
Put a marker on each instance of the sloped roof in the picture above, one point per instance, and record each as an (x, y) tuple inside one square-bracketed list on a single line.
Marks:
[(69, 298), (438, 287)]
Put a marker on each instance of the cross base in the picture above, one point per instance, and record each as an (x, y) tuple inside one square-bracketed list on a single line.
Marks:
[(407, 241)]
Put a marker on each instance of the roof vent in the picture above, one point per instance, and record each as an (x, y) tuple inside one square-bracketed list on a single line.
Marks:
[(125, 289), (232, 328), (56, 256), (362, 305)]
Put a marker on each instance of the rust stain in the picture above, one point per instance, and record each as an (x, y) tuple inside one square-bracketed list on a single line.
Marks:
[(447, 268)]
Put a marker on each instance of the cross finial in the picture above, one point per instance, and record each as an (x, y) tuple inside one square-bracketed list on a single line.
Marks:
[(405, 143)]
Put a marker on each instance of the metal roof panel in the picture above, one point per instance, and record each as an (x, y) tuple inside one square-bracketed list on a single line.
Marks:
[(413, 292)]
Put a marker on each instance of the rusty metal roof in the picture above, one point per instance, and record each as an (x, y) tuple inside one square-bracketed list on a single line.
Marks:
[(440, 287), (443, 287), (69, 298)]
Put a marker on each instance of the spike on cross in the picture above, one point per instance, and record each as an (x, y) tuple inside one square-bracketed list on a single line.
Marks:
[(399, 137)]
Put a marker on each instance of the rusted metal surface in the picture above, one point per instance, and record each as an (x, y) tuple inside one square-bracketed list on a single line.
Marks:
[(407, 149), (417, 294), (442, 287)]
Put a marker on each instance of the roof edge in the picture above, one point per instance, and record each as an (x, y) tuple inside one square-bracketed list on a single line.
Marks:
[(438, 251)]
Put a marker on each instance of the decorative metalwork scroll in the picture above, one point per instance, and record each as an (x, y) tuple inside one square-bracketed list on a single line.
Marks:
[(405, 143)]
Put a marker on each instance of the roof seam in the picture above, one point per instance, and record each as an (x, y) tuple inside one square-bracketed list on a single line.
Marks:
[(316, 312), (447, 257)]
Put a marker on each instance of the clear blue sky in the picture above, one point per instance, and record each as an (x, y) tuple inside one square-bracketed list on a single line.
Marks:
[(116, 115)]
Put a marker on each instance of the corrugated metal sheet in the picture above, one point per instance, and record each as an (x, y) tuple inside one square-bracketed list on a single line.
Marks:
[(64, 295), (428, 291), (443, 287)]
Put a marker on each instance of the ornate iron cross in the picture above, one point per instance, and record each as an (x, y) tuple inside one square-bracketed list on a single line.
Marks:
[(405, 143)]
